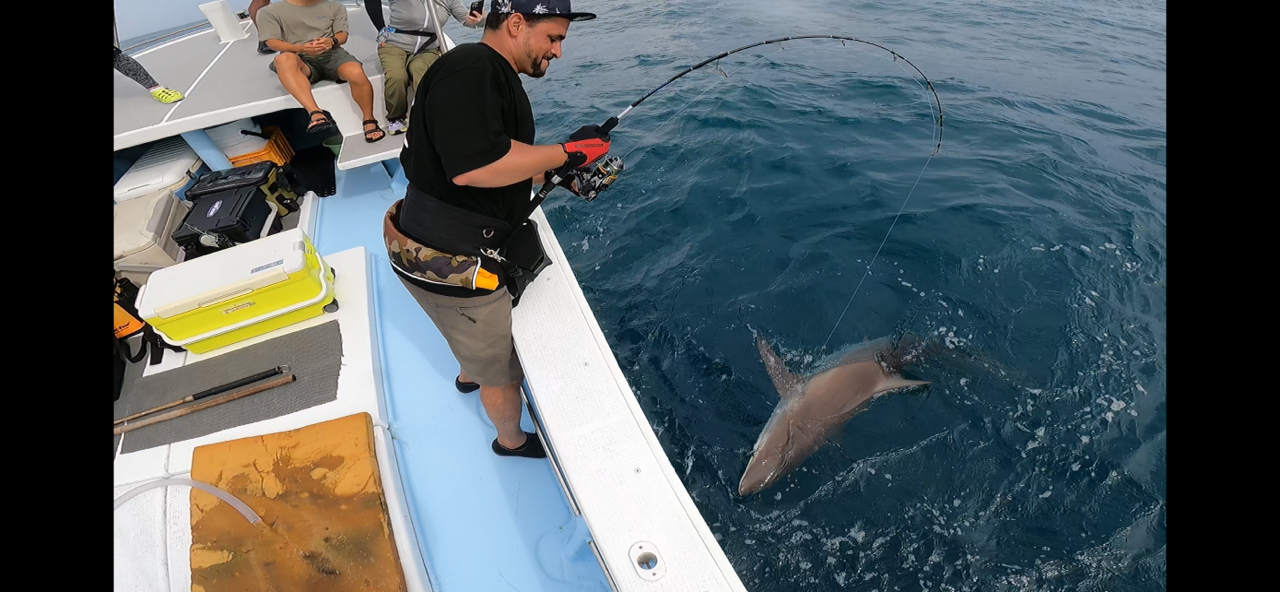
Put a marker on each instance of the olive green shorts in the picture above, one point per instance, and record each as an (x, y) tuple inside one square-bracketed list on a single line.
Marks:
[(324, 66), (478, 331)]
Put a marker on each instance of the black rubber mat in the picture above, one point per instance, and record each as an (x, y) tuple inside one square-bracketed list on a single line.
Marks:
[(314, 356)]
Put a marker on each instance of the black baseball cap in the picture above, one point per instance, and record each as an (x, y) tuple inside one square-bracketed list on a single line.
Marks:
[(541, 7)]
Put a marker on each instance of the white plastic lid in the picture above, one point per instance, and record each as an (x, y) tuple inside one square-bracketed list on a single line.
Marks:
[(224, 274)]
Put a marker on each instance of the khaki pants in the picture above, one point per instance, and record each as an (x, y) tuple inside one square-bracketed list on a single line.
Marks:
[(478, 331), (401, 74)]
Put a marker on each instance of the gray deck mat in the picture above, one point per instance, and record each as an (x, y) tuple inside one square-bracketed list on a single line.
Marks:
[(314, 355), (354, 145)]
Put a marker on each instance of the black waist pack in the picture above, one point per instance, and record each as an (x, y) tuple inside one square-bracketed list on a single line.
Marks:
[(525, 259)]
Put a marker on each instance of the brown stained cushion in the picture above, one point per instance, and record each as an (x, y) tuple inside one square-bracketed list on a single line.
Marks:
[(325, 524)]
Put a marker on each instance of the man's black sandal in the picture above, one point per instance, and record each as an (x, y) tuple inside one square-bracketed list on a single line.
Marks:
[(376, 129), (320, 125)]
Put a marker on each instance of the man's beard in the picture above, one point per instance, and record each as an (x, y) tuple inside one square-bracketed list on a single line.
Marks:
[(535, 68), (535, 63)]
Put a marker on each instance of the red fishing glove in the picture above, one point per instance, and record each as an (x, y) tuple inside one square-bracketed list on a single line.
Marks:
[(585, 146)]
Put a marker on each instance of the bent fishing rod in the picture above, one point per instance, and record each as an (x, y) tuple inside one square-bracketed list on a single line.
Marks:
[(590, 183)]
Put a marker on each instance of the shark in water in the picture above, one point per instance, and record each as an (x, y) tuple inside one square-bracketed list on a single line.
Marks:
[(814, 409)]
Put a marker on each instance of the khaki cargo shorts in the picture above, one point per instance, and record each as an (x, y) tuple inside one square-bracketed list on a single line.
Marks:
[(324, 66), (478, 330)]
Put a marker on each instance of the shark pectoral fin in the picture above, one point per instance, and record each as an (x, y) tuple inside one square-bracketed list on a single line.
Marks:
[(898, 382), (783, 379)]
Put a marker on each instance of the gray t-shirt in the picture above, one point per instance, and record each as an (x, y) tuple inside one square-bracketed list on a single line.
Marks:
[(299, 24), (412, 15)]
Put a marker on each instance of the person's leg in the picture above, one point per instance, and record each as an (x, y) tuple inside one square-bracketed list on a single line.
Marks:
[(418, 69), (362, 91), (297, 77), (486, 347), (253, 16), (254, 7), (503, 406), (130, 67), (478, 331), (395, 78)]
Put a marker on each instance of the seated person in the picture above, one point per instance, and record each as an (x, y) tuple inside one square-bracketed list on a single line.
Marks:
[(409, 47), (308, 34)]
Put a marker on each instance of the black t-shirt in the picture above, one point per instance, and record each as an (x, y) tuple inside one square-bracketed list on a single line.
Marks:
[(468, 108)]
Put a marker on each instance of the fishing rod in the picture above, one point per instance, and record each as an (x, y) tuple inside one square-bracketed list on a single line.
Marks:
[(590, 183)]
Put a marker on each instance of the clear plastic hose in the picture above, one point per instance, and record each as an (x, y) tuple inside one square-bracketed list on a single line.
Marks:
[(222, 495)]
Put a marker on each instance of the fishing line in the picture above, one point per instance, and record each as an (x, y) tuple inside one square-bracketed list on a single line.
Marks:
[(873, 258), (613, 121), (695, 99), (608, 170), (589, 181), (933, 134)]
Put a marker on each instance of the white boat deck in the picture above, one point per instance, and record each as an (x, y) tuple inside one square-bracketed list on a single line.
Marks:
[(153, 530), (226, 82), (608, 490)]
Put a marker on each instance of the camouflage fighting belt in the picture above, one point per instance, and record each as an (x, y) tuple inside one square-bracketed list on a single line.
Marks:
[(423, 262), (460, 240)]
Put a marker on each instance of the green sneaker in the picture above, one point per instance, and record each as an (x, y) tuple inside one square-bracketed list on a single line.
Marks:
[(166, 95)]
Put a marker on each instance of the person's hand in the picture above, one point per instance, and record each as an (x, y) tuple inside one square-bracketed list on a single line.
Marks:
[(317, 46), (474, 17), (586, 146), (311, 48)]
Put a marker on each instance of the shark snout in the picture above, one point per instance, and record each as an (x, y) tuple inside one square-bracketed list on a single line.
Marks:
[(759, 475)]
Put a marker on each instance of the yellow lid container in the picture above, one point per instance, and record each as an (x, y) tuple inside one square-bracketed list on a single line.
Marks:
[(237, 293)]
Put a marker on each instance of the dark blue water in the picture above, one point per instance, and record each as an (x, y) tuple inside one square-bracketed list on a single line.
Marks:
[(1033, 250)]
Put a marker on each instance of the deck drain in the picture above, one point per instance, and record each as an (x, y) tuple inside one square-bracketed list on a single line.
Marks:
[(648, 561)]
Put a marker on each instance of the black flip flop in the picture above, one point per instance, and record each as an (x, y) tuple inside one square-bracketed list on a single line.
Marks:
[(376, 129), (532, 448), (465, 387), (323, 125)]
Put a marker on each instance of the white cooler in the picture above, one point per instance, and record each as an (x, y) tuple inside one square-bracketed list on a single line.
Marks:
[(169, 164), (144, 234), (228, 138)]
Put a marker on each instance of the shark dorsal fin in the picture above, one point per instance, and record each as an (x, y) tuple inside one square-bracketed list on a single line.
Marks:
[(787, 383)]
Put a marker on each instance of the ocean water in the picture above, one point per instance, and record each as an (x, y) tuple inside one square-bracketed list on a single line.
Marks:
[(1032, 250)]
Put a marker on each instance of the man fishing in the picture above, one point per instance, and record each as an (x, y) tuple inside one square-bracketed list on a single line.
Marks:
[(471, 165)]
